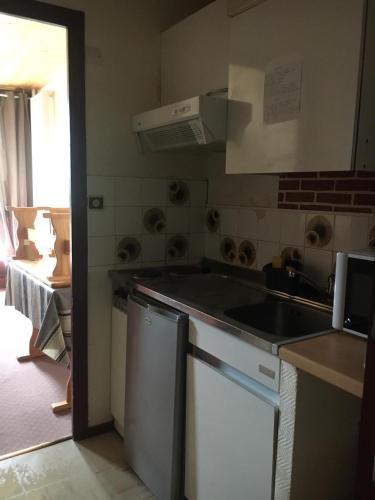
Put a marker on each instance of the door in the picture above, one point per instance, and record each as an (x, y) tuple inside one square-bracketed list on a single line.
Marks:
[(229, 438)]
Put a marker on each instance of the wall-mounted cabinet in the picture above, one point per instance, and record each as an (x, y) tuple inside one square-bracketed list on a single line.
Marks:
[(235, 7), (300, 97), (195, 54)]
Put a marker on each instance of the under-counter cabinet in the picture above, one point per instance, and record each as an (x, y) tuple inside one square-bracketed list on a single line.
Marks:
[(229, 437), (118, 364), (231, 425)]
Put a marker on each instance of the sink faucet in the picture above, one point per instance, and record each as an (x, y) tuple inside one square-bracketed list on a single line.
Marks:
[(292, 273)]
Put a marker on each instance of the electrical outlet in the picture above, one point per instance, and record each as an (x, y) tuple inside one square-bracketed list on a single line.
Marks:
[(96, 202)]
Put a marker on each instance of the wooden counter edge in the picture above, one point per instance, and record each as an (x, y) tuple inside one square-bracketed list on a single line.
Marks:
[(320, 370)]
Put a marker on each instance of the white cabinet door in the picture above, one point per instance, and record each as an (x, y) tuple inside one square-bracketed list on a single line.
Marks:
[(118, 359), (229, 438), (307, 56), (195, 54)]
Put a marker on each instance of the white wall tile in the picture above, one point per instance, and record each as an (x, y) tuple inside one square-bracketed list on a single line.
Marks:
[(144, 211), (101, 251), (154, 192), (318, 265), (128, 191), (197, 220), (101, 222), (228, 221), (292, 228), (197, 246), (269, 225), (266, 251), (247, 223), (198, 193), (238, 242), (128, 220), (331, 220), (98, 185), (212, 246), (153, 247), (135, 263), (177, 220), (351, 232)]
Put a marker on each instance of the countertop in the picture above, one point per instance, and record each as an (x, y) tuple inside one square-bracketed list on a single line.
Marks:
[(337, 358), (207, 296)]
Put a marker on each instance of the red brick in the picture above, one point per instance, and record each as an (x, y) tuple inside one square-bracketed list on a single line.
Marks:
[(302, 197), (318, 185), (359, 210), (281, 196), (334, 175), (285, 185), (334, 198), (364, 199), (302, 175), (365, 173), (355, 185), (288, 205), (325, 208)]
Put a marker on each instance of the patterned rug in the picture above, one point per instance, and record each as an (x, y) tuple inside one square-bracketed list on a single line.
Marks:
[(27, 389)]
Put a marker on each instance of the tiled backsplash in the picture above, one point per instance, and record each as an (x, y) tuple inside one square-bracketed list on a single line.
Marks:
[(126, 200), (269, 230), (352, 191), (272, 230)]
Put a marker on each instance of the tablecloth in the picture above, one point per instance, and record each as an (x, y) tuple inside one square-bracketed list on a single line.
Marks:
[(48, 309)]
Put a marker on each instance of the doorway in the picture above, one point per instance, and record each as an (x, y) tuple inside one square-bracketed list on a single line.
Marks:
[(73, 23)]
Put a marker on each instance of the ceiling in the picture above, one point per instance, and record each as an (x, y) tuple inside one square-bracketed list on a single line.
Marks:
[(31, 53)]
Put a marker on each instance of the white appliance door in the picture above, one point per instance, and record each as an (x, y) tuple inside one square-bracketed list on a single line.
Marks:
[(230, 438)]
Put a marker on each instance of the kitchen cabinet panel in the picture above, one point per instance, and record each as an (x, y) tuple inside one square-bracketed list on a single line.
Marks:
[(308, 57), (318, 439), (195, 54), (237, 6), (229, 438), (248, 359), (118, 364)]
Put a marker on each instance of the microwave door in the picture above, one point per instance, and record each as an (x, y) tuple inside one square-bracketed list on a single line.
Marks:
[(360, 296)]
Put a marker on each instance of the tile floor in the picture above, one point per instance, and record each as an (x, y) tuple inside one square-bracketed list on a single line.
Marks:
[(93, 469)]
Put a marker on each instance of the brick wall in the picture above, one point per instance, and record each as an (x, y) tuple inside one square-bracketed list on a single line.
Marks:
[(328, 191)]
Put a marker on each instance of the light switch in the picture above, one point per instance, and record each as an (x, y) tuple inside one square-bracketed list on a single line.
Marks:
[(96, 202)]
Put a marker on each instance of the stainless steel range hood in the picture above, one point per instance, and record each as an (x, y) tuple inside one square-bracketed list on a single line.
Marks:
[(199, 122)]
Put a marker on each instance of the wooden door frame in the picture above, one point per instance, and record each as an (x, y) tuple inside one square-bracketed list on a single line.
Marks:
[(74, 21)]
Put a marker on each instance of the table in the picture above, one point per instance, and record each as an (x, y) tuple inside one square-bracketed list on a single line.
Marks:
[(50, 313)]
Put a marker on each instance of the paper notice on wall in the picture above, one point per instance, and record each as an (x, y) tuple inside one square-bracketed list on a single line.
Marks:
[(282, 92)]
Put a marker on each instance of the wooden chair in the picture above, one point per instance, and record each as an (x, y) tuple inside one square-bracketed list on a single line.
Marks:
[(60, 221)]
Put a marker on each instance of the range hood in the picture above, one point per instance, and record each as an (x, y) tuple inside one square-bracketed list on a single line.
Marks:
[(196, 122)]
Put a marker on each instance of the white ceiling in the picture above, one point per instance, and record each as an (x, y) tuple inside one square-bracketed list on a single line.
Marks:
[(31, 52)]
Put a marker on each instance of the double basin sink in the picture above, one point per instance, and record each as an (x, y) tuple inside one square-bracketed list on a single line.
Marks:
[(281, 318)]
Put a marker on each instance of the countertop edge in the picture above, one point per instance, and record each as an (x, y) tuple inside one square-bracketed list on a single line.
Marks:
[(319, 369)]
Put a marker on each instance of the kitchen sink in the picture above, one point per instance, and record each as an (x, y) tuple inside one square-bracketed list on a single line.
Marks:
[(281, 318)]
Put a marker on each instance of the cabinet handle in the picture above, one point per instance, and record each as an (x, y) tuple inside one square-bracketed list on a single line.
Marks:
[(267, 372)]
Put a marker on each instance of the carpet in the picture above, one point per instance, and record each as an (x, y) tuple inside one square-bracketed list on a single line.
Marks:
[(27, 389)]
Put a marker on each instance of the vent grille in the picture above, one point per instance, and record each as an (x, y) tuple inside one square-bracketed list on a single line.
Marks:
[(172, 136)]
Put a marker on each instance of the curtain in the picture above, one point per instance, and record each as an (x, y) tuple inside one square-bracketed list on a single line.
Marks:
[(15, 164)]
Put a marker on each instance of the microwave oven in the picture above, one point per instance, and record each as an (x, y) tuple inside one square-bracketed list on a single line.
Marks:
[(354, 297)]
